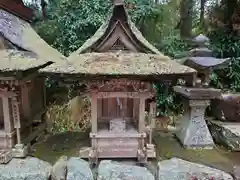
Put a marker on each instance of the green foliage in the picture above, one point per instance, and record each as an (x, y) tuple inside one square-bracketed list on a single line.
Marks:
[(167, 101), (174, 47), (227, 45), (71, 22), (161, 22)]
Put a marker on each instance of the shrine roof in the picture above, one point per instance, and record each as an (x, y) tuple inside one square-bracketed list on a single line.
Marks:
[(14, 60), (121, 63), (20, 33), (100, 55), (119, 18)]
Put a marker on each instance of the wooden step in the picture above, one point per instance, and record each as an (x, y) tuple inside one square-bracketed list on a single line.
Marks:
[(117, 152)]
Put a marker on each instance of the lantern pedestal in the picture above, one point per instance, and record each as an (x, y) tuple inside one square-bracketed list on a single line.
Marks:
[(193, 131)]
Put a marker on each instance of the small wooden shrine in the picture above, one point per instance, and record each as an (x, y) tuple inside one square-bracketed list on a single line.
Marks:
[(22, 91), (119, 67)]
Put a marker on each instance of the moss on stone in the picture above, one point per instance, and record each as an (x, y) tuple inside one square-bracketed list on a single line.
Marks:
[(55, 146)]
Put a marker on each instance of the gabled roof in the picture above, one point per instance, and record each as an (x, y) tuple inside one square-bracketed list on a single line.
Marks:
[(23, 37), (117, 27), (118, 48)]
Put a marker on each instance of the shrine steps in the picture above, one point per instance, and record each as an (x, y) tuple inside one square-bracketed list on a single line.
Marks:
[(116, 153)]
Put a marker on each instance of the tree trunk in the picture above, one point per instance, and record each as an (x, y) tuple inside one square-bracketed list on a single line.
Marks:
[(202, 8), (186, 10), (230, 7), (43, 6)]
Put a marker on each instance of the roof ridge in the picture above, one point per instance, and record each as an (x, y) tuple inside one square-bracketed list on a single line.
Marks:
[(102, 30)]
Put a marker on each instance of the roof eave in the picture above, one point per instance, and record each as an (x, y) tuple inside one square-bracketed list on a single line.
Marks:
[(19, 10)]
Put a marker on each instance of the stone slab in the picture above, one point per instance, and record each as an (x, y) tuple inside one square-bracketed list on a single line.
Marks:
[(59, 169), (78, 169), (226, 134), (178, 169), (110, 170), (25, 169)]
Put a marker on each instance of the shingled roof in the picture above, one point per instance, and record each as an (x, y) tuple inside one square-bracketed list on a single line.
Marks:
[(19, 61), (118, 48), (127, 63), (20, 33)]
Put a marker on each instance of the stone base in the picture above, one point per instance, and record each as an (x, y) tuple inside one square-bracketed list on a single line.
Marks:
[(20, 151), (5, 156), (142, 156), (226, 134), (193, 131), (151, 153), (117, 125), (93, 157)]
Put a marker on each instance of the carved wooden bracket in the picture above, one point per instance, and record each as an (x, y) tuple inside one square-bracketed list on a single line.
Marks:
[(119, 85), (144, 95)]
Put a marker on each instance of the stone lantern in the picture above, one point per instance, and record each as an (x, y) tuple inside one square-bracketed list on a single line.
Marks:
[(193, 131)]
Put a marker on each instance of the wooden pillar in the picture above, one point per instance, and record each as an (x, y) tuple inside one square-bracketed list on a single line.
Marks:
[(134, 109), (94, 120), (99, 108), (6, 115), (152, 119), (141, 122), (94, 112), (25, 101), (153, 114), (16, 118)]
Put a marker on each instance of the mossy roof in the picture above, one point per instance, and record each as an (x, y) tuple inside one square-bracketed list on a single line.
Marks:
[(85, 61), (14, 60), (23, 36), (121, 63), (104, 27)]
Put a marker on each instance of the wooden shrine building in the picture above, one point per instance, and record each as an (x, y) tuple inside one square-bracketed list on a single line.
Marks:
[(22, 91), (119, 67)]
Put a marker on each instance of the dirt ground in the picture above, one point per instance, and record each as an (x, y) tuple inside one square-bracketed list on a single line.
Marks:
[(52, 147)]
